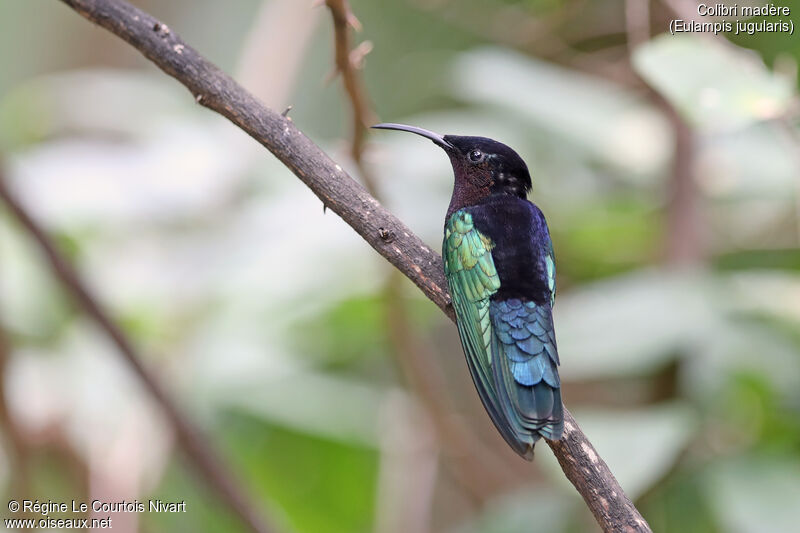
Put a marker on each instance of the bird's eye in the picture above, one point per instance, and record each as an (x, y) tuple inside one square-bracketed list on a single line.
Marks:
[(475, 156)]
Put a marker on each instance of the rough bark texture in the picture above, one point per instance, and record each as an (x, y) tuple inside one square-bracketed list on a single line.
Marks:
[(391, 238), (585, 469)]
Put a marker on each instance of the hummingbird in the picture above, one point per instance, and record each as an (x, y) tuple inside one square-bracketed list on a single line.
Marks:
[(499, 264)]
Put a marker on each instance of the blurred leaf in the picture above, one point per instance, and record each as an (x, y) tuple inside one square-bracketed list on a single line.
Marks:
[(717, 86), (755, 163), (771, 292), (119, 104), (319, 404), (632, 324), (603, 239), (318, 485), (783, 259), (748, 340), (119, 146), (204, 512), (757, 414), (754, 495), (639, 446), (539, 510), (408, 37), (83, 386), (303, 483), (680, 504), (777, 48), (352, 330), (742, 347), (611, 124), (49, 471), (31, 303)]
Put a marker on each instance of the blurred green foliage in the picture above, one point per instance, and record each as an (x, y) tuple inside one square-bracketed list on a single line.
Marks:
[(353, 330), (320, 484), (268, 317)]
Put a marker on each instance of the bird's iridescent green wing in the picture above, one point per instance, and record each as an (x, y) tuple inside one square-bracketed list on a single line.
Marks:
[(473, 279), (472, 276), (509, 343)]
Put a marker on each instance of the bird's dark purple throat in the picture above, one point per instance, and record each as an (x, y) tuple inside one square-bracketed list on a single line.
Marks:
[(499, 264)]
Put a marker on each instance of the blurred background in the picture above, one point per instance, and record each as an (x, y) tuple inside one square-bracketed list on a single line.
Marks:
[(668, 168)]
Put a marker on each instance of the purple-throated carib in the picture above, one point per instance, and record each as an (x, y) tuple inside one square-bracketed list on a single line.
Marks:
[(498, 260)]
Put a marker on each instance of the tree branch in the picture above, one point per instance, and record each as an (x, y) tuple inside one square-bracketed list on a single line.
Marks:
[(215, 90), (479, 469), (338, 191), (347, 62), (194, 444)]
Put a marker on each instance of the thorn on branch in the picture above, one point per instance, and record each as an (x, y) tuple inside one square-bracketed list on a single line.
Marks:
[(330, 76), (348, 60), (359, 54), (352, 20), (385, 235), (161, 29)]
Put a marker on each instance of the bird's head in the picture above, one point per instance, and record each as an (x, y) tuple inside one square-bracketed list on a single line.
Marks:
[(481, 166)]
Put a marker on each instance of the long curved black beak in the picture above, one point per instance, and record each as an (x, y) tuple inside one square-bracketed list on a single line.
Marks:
[(435, 137)]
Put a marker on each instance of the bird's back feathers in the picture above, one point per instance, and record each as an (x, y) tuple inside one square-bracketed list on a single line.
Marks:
[(502, 292)]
